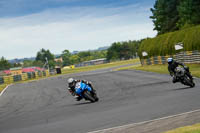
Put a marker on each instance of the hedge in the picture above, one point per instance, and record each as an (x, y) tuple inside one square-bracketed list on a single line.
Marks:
[(163, 45)]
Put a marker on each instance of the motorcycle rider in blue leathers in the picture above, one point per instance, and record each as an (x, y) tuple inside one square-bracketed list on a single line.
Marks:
[(172, 65), (72, 84)]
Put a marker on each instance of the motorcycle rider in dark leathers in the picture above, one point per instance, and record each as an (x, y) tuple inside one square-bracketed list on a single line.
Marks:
[(72, 84), (172, 65)]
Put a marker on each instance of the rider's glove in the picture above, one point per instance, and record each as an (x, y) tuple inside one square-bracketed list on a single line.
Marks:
[(89, 82), (71, 91)]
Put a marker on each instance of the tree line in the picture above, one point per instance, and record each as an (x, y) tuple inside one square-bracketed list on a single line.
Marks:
[(123, 50), (172, 15), (117, 51)]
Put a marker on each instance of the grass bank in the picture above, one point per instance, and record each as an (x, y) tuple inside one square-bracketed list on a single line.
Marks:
[(2, 87), (163, 69), (164, 44), (188, 129), (101, 66)]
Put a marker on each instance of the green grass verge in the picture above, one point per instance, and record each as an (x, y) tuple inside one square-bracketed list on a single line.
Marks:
[(101, 66), (188, 129), (163, 69), (2, 87)]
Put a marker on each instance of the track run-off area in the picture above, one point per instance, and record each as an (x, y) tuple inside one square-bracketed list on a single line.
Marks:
[(127, 96)]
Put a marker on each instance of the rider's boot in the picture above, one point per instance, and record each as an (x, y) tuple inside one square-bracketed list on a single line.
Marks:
[(78, 98), (174, 79)]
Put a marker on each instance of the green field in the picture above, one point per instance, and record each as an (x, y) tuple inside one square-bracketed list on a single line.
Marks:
[(188, 129), (194, 68), (101, 66), (2, 87)]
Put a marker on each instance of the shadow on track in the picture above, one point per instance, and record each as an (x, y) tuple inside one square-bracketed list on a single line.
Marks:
[(83, 103), (184, 88)]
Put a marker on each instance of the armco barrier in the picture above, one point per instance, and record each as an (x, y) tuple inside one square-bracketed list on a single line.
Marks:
[(185, 57), (17, 78), (23, 77), (1, 80), (8, 79)]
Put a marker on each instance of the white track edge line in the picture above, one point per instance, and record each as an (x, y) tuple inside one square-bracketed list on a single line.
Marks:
[(144, 122), (4, 89)]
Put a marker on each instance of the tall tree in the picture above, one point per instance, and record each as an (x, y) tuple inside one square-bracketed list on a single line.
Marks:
[(113, 51), (189, 12), (4, 64), (75, 59), (123, 50), (165, 15), (42, 55), (66, 57)]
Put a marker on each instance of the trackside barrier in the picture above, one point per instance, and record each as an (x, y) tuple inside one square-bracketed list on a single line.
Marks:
[(185, 57), (17, 78), (47, 73), (23, 77), (1, 80), (8, 79)]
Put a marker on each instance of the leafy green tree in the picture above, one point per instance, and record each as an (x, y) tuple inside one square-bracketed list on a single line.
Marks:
[(38, 63), (4, 64), (165, 15), (113, 51), (66, 57), (27, 63), (42, 55), (74, 59), (99, 54), (189, 12), (85, 56), (123, 50), (52, 64)]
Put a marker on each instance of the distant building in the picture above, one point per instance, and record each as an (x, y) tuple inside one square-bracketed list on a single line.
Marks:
[(19, 70), (59, 59), (32, 69), (92, 62), (16, 71)]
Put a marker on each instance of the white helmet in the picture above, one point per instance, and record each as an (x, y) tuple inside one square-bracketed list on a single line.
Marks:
[(170, 60), (70, 80)]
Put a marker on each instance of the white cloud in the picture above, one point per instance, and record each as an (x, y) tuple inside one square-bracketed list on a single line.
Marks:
[(78, 29)]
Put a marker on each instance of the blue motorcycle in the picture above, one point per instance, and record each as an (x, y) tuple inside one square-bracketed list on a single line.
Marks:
[(85, 91)]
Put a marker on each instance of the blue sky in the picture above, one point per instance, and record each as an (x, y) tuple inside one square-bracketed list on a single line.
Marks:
[(26, 26)]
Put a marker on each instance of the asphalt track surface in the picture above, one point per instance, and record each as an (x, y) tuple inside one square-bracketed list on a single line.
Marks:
[(126, 97)]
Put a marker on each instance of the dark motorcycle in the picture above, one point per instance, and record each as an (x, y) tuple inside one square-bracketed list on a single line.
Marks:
[(181, 76)]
